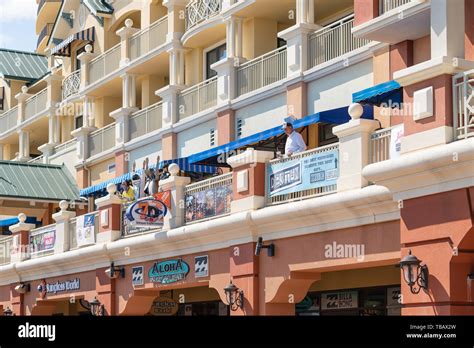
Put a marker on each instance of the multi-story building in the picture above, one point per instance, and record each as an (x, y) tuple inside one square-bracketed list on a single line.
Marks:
[(380, 90)]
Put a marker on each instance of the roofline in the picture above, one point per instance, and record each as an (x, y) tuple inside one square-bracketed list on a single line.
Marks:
[(31, 164), (40, 200), (22, 52)]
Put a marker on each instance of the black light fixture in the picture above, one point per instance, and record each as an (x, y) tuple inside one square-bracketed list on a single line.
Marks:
[(415, 274), (97, 309), (115, 272), (270, 248), (234, 296), (8, 312)]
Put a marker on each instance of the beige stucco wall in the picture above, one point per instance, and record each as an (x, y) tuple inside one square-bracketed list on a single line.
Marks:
[(99, 172)]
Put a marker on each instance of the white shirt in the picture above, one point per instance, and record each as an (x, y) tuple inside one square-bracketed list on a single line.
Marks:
[(294, 144)]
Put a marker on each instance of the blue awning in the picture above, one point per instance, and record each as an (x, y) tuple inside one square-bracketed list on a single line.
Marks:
[(335, 116), (183, 163), (14, 220), (389, 93)]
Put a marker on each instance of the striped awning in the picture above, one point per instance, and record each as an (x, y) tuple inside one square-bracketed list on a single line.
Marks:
[(64, 48)]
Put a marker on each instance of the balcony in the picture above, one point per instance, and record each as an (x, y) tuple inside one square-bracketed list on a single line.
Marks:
[(197, 98), (333, 41), (148, 39), (5, 249), (85, 240), (380, 145), (304, 175), (145, 121), (36, 104), (8, 120), (102, 140), (44, 34), (262, 71), (198, 11), (105, 64), (208, 199), (463, 105), (42, 241), (42, 3), (71, 84), (389, 5)]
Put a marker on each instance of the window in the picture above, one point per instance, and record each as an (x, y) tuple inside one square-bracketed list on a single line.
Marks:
[(111, 168), (326, 135), (213, 56), (78, 122)]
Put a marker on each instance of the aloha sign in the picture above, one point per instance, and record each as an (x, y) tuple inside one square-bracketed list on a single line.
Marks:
[(167, 272)]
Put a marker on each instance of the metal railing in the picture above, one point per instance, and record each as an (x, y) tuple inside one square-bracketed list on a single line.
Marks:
[(149, 38), (262, 71), (380, 145), (46, 31), (208, 198), (9, 120), (42, 240), (146, 120), (105, 64), (73, 230), (463, 105), (5, 250), (71, 84), (102, 139), (388, 5), (65, 146), (36, 104), (197, 98), (198, 11), (305, 192), (333, 41)]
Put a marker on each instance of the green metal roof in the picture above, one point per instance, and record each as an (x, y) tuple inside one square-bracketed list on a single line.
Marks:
[(36, 181), (99, 7), (25, 66)]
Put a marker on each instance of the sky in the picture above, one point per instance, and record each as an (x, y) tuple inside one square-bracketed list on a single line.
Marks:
[(17, 24)]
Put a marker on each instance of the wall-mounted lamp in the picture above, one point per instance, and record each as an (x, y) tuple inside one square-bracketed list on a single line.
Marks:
[(270, 248), (415, 274), (22, 288), (234, 296), (97, 309), (115, 272), (8, 312)]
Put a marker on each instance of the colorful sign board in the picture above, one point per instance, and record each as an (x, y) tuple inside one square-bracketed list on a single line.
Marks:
[(303, 173), (137, 275), (164, 306), (201, 266), (210, 202), (85, 230), (339, 300), (167, 272), (147, 213), (43, 240)]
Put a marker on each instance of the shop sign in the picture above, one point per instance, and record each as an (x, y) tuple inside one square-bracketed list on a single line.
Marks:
[(303, 173), (42, 240), (53, 288), (147, 213), (167, 272), (137, 275), (85, 230), (339, 300), (201, 266), (163, 306)]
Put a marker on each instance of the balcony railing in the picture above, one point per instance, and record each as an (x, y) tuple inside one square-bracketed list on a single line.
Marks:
[(71, 84), (65, 146), (380, 145), (5, 250), (304, 175), (145, 121), (198, 11), (37, 159), (73, 243), (388, 5), (197, 98), (463, 105), (36, 104), (209, 198), (8, 120), (148, 39), (102, 140), (333, 41), (105, 64), (42, 241), (262, 71), (46, 31)]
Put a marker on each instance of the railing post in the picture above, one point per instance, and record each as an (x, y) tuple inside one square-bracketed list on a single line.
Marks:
[(176, 185), (248, 179), (22, 97), (20, 240), (110, 216), (226, 80), (125, 33), (176, 24), (62, 227), (85, 58), (354, 145)]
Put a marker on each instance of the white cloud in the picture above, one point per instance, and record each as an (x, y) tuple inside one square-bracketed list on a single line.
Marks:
[(17, 10)]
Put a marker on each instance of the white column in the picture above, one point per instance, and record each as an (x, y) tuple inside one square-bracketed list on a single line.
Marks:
[(125, 33), (85, 111), (62, 228), (126, 91), (133, 91), (447, 28), (181, 59), (24, 145), (230, 31), (240, 38), (173, 67), (85, 58)]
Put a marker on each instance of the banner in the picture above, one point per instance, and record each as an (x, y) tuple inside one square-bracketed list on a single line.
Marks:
[(43, 240), (303, 173), (396, 134), (85, 230), (208, 203)]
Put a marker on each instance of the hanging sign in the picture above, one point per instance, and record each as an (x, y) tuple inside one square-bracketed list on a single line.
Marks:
[(339, 300), (147, 213), (85, 230), (164, 306), (167, 272)]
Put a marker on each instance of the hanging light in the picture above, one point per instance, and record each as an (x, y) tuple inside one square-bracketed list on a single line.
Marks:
[(234, 296), (8, 312), (97, 309), (415, 274)]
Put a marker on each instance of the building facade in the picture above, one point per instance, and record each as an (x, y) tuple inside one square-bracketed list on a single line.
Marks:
[(380, 90)]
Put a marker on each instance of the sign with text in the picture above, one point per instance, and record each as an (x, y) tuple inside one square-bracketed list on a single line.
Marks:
[(85, 230), (147, 213), (303, 173), (168, 272), (339, 300), (164, 306), (42, 240)]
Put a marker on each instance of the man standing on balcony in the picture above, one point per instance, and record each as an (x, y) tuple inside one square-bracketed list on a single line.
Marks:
[(294, 140)]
